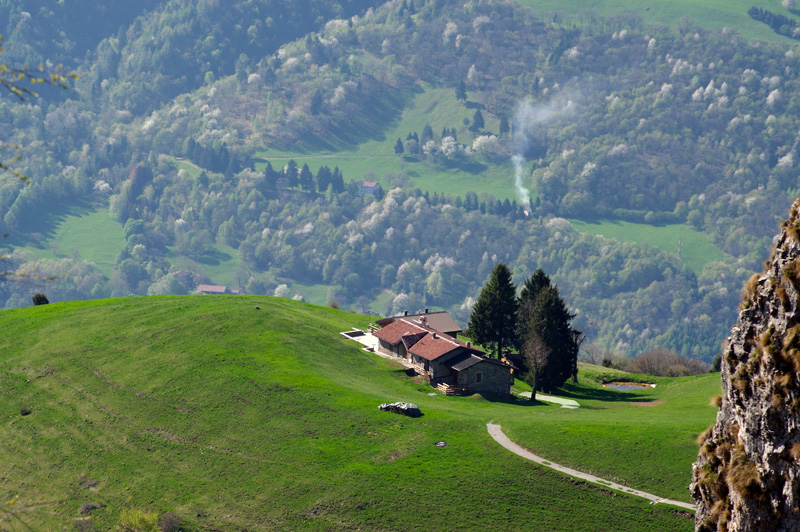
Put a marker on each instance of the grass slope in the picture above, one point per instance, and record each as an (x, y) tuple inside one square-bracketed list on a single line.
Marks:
[(81, 231), (237, 418), (710, 14), (697, 248), (429, 105)]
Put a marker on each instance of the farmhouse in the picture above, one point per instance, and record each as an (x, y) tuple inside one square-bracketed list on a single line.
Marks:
[(441, 321), (207, 289), (367, 187), (447, 363)]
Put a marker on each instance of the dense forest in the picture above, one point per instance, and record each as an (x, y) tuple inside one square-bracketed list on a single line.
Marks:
[(606, 118)]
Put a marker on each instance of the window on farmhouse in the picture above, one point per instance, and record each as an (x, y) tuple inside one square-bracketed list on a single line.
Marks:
[(479, 377)]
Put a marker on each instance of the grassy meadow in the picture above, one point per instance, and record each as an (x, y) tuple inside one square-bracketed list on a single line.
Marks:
[(236, 417), (697, 249), (710, 14), (86, 232), (375, 158)]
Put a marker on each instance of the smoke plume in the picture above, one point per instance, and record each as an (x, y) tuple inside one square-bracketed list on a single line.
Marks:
[(528, 118)]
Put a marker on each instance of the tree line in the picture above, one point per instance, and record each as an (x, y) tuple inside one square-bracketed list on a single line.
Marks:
[(537, 323)]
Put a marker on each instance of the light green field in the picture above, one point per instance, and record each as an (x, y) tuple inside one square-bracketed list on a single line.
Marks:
[(221, 265), (611, 422), (697, 248), (236, 417), (710, 14), (85, 233), (437, 107)]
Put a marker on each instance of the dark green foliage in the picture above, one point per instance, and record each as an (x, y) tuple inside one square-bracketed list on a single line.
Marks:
[(337, 181), (780, 24), (316, 103), (306, 179), (40, 299), (546, 334), (461, 91), (493, 319), (477, 121), (504, 127), (290, 173), (398, 147)]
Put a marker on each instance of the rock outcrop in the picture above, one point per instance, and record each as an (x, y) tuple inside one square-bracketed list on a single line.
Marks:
[(747, 475)]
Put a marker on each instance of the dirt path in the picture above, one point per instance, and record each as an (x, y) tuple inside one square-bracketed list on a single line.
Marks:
[(497, 433)]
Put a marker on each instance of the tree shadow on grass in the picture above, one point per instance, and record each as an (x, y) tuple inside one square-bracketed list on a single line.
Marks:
[(512, 400), (601, 394), (42, 228), (214, 258)]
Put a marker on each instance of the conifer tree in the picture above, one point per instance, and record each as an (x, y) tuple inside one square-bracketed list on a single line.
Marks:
[(306, 179), (291, 173), (547, 338), (337, 181), (494, 317), (398, 147), (461, 91)]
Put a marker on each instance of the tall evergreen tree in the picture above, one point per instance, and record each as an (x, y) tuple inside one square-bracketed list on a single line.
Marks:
[(306, 179), (461, 91), (337, 181), (291, 173), (494, 317), (547, 339), (323, 179), (398, 147)]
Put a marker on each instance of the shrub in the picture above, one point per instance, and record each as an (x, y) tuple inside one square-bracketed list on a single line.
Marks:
[(136, 520), (40, 299), (169, 522)]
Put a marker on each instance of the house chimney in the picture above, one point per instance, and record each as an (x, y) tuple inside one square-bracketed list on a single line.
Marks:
[(469, 344), (434, 336), (426, 310), (405, 313)]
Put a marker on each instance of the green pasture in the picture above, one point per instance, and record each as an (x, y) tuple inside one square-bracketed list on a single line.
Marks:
[(251, 412), (697, 249), (644, 439), (375, 158), (83, 232), (710, 14), (221, 264)]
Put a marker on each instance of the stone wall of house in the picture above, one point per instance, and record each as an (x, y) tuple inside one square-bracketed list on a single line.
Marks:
[(495, 379)]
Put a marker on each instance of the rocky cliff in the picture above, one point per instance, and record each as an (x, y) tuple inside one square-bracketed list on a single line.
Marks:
[(747, 474)]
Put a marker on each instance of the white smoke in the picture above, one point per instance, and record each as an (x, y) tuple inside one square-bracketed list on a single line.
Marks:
[(528, 117)]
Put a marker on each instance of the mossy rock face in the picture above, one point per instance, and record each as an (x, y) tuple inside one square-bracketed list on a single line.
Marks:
[(746, 476)]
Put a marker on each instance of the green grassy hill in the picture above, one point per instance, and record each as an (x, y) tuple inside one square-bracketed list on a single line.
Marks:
[(710, 14), (239, 418)]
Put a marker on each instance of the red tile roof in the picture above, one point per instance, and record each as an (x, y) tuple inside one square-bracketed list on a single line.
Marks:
[(422, 341), (394, 332), (436, 344), (211, 289)]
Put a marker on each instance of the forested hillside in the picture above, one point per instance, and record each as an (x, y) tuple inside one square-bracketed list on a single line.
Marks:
[(189, 128)]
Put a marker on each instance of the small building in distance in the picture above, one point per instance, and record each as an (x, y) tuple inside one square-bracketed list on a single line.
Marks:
[(367, 187), (452, 366), (441, 321), (211, 289)]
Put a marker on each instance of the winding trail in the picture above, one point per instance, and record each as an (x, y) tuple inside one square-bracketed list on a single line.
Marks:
[(497, 433)]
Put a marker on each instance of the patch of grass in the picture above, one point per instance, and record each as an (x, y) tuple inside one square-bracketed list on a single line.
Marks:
[(643, 439), (697, 249), (435, 106), (711, 14), (221, 264), (83, 232), (237, 418)]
